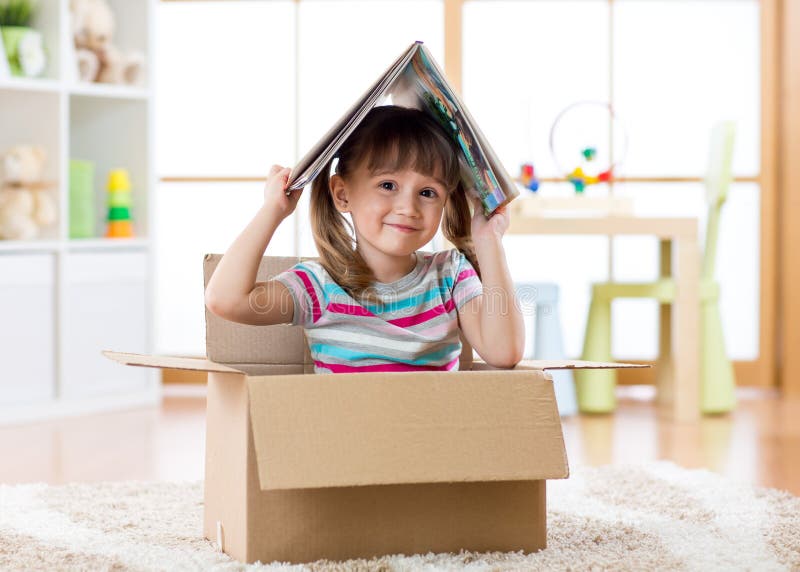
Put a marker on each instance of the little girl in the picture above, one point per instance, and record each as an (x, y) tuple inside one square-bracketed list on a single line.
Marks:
[(373, 302)]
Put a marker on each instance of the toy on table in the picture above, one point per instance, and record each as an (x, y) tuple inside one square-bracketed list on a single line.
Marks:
[(591, 140), (119, 204), (27, 205), (528, 177)]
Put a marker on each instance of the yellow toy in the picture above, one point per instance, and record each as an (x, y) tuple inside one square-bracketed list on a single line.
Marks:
[(119, 203)]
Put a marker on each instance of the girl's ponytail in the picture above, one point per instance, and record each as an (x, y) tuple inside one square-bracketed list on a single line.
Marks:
[(336, 244), (457, 225)]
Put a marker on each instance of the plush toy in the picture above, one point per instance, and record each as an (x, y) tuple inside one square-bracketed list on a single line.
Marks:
[(98, 59), (26, 205)]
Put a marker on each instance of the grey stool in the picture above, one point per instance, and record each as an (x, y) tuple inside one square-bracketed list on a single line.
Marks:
[(542, 298)]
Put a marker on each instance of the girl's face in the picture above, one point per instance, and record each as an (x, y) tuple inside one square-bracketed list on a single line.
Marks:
[(395, 213)]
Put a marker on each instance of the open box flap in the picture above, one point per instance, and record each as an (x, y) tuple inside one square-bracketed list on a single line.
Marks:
[(545, 364), (251, 347), (233, 343), (337, 430), (169, 362)]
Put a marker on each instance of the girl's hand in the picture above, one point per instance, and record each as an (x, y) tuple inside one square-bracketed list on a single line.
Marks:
[(275, 198), (492, 228)]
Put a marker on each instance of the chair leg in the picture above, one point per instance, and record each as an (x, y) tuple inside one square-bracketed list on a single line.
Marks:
[(717, 391), (595, 387), (549, 345)]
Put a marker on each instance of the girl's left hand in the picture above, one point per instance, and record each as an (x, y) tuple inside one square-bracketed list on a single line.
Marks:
[(483, 228)]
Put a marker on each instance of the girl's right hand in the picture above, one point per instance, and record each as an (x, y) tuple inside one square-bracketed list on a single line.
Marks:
[(275, 198)]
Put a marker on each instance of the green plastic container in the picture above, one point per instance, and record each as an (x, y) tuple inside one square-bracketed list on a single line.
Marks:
[(81, 199), (11, 37)]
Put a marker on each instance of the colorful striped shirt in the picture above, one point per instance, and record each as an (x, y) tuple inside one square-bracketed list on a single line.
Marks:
[(413, 327)]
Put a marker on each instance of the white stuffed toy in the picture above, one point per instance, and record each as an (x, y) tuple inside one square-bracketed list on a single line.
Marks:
[(98, 58), (26, 206)]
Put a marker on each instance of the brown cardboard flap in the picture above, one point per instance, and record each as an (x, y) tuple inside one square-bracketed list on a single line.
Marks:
[(241, 344), (230, 343), (545, 364), (171, 362), (337, 430)]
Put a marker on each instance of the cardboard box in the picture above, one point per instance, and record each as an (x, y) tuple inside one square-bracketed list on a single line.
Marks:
[(303, 466)]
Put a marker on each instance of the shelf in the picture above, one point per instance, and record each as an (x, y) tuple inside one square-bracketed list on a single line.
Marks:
[(80, 295), (113, 134), (108, 90), (30, 84), (29, 245), (106, 243), (73, 244), (47, 85)]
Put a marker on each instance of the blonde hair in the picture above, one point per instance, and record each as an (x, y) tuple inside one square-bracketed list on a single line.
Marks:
[(388, 138)]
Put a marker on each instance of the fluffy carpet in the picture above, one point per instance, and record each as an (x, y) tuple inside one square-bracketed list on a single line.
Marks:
[(653, 516)]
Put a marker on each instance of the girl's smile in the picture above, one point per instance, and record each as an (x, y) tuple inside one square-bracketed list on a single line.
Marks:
[(402, 228)]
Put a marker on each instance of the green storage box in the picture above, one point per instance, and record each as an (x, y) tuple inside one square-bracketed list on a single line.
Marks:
[(81, 199)]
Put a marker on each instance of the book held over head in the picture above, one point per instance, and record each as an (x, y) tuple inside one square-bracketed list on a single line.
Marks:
[(415, 80)]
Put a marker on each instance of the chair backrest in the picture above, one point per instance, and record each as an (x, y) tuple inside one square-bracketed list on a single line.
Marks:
[(717, 182), (720, 161)]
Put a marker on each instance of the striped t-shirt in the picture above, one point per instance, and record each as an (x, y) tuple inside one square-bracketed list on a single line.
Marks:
[(414, 327)]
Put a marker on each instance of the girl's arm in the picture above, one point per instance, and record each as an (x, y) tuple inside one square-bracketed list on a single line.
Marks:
[(232, 292), (492, 322)]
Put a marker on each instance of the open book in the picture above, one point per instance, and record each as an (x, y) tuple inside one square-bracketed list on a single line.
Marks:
[(415, 80)]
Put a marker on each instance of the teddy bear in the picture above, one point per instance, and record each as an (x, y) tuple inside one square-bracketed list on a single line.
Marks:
[(26, 205), (98, 58)]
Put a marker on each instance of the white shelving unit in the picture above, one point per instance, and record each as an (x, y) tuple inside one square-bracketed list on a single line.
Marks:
[(64, 300)]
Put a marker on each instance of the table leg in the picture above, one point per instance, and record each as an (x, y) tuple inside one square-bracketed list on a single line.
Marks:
[(665, 371), (686, 334)]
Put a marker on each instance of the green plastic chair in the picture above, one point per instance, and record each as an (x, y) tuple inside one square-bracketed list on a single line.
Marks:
[(595, 388)]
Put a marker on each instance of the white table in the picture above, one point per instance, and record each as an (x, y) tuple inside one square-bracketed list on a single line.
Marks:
[(678, 366)]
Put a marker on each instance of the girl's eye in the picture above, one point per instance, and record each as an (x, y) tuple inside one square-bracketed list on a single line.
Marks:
[(389, 186)]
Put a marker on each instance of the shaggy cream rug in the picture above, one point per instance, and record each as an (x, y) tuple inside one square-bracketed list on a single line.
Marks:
[(653, 516)]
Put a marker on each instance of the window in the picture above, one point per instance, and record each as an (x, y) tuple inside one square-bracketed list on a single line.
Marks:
[(252, 83), (672, 69), (227, 107)]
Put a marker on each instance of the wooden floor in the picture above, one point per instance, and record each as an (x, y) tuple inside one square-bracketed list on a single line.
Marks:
[(759, 443)]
